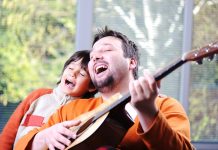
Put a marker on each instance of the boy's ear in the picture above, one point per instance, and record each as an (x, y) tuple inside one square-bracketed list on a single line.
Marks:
[(92, 88)]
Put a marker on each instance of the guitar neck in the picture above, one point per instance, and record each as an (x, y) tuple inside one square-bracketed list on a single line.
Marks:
[(161, 74), (168, 69)]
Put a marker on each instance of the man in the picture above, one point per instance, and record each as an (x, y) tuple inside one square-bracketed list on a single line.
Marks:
[(161, 122)]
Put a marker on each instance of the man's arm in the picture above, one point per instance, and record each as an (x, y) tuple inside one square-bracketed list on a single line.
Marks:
[(161, 127), (55, 133), (169, 130), (143, 94)]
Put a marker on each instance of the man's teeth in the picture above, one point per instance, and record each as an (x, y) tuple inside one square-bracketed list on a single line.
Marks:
[(100, 68)]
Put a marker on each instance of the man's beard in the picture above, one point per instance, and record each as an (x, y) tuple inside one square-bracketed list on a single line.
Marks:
[(104, 85)]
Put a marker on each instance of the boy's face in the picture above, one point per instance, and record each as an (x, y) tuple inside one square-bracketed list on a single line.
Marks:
[(75, 80)]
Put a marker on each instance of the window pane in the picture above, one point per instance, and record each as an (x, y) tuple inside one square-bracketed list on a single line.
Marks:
[(155, 26), (203, 103)]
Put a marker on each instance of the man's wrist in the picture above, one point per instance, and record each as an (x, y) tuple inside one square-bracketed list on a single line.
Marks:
[(39, 142)]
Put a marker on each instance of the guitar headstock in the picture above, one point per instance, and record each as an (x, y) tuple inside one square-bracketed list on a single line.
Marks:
[(197, 55)]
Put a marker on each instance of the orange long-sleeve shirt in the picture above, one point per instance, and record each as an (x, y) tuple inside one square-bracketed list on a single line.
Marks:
[(169, 130)]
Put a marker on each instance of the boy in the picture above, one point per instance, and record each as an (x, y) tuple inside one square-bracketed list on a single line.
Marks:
[(35, 110)]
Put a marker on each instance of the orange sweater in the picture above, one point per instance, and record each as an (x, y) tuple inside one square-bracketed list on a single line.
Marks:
[(9, 132), (170, 129)]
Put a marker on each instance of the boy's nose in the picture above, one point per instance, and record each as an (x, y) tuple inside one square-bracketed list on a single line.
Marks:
[(75, 71)]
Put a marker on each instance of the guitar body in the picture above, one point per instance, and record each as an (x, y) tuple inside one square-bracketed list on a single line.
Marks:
[(103, 132), (88, 131)]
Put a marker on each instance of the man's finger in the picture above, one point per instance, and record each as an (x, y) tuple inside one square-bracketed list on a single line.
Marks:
[(66, 132), (71, 123), (58, 145), (64, 139), (151, 80), (50, 147)]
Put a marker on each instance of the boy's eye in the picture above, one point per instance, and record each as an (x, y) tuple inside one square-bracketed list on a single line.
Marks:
[(71, 67), (83, 73)]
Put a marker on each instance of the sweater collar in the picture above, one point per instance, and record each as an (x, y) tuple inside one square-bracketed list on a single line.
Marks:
[(61, 97)]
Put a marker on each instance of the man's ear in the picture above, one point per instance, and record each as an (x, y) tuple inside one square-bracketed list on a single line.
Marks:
[(132, 64)]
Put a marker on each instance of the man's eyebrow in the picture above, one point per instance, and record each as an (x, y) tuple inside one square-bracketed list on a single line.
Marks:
[(104, 44), (107, 44)]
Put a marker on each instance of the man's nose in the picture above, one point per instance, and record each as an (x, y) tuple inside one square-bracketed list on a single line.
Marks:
[(97, 57)]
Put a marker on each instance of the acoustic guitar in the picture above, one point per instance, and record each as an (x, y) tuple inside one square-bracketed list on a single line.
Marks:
[(92, 121)]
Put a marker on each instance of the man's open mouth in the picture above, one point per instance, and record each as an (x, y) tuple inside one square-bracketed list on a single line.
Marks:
[(100, 69)]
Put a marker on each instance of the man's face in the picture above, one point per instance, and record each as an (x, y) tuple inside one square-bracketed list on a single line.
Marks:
[(107, 66)]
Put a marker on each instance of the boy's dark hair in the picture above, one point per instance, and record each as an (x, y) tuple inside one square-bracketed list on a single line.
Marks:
[(130, 49), (85, 58)]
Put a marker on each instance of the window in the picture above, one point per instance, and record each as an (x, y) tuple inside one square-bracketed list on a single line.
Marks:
[(155, 26), (203, 103), (158, 27)]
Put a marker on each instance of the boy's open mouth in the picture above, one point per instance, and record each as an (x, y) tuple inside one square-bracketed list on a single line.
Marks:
[(68, 82)]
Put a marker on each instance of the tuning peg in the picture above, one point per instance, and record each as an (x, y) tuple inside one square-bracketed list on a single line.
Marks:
[(216, 82), (216, 58), (210, 58), (215, 45), (199, 62)]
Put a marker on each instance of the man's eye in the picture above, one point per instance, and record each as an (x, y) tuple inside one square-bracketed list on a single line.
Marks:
[(91, 57)]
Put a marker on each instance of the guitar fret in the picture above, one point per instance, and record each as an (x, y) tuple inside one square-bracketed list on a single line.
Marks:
[(215, 45)]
